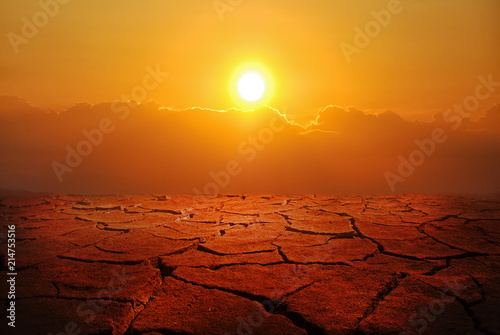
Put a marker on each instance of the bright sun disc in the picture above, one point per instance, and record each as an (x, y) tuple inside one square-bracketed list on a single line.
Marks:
[(251, 86)]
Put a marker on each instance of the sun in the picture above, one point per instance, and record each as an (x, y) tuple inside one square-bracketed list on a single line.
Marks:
[(251, 86)]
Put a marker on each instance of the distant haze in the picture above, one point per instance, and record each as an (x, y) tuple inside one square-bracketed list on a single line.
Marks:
[(124, 148)]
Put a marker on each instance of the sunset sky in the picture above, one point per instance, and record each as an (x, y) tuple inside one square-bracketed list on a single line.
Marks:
[(427, 58), (341, 96)]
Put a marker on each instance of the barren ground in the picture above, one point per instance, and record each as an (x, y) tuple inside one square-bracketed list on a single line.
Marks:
[(256, 264)]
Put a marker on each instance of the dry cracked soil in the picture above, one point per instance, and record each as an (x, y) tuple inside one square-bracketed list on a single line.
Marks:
[(255, 264)]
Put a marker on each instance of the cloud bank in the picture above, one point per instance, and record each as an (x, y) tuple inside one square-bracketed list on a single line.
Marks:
[(118, 147)]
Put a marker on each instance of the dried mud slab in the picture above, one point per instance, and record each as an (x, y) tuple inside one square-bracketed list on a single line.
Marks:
[(252, 264)]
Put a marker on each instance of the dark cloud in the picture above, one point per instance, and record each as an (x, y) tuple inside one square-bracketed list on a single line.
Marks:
[(127, 148)]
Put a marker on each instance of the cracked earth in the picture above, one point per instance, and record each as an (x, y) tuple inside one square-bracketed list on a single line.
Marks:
[(255, 264)]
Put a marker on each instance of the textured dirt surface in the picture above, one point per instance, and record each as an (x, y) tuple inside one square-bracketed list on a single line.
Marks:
[(256, 264)]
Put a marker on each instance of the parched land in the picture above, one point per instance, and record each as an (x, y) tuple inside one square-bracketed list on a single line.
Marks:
[(255, 264)]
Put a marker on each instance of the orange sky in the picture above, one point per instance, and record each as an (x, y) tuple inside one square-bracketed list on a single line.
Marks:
[(362, 96), (427, 58)]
